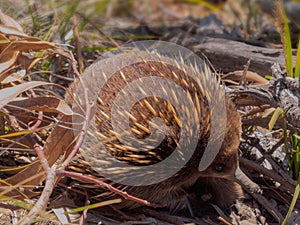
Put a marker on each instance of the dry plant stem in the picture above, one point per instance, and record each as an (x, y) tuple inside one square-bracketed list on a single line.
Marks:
[(264, 202), (268, 206), (37, 125), (122, 214), (209, 221), (107, 186), (77, 43), (84, 214), (13, 120), (279, 170), (15, 187), (164, 217), (221, 214), (224, 221), (41, 157), (49, 186), (83, 129), (50, 182), (277, 145), (285, 185), (275, 166), (243, 80), (38, 122), (86, 118), (258, 109), (43, 199), (135, 222)]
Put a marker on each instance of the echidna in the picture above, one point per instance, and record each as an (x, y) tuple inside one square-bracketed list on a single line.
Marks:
[(179, 94)]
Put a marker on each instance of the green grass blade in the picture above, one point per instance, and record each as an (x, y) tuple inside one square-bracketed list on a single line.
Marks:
[(96, 205), (285, 37), (286, 142), (68, 14), (297, 66), (296, 153), (294, 200)]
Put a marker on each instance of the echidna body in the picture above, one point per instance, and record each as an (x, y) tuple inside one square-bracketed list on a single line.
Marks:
[(173, 191)]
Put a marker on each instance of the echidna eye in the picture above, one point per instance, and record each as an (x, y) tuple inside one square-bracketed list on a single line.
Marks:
[(219, 167)]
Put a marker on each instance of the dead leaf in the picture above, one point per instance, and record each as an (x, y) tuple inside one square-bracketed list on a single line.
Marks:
[(9, 94), (8, 21), (60, 140), (45, 104), (6, 65), (27, 46), (13, 77)]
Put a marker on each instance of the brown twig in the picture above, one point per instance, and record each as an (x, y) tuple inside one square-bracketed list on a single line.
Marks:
[(49, 186), (268, 206), (243, 80), (77, 44), (87, 115), (107, 186), (285, 184)]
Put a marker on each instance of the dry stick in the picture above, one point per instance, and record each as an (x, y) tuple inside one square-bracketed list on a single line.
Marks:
[(224, 221), (123, 215), (86, 117), (37, 125), (222, 217), (164, 217), (51, 172), (262, 200), (107, 186), (277, 168), (77, 44), (285, 185), (8, 188), (84, 214), (49, 186), (268, 206), (15, 124), (38, 122), (277, 145), (243, 80)]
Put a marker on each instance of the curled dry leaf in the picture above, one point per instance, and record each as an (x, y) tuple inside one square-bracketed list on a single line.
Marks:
[(7, 65)]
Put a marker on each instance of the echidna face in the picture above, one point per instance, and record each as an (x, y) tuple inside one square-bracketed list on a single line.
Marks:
[(222, 167), (226, 162)]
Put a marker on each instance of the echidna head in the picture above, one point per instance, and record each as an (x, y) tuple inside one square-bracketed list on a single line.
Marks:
[(226, 161)]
